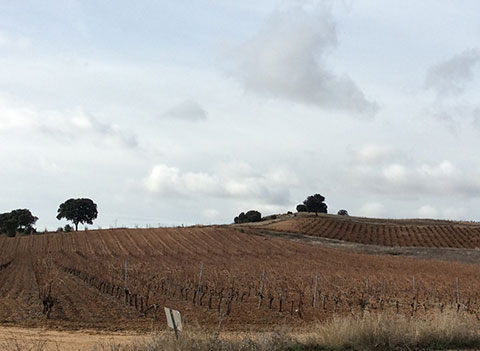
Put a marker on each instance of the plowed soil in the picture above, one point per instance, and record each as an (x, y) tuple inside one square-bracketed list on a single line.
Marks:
[(396, 233), (120, 279)]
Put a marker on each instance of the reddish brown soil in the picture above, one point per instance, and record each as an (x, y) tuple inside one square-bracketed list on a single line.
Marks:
[(84, 273), (401, 233)]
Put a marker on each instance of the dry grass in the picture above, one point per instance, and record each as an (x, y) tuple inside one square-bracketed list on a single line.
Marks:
[(448, 330), (14, 344), (202, 341), (383, 332)]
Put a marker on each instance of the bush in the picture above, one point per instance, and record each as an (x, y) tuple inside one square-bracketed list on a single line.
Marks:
[(68, 228), (249, 217), (342, 213), (301, 208)]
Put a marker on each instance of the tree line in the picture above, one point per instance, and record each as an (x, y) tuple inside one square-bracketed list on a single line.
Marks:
[(22, 221), (83, 210)]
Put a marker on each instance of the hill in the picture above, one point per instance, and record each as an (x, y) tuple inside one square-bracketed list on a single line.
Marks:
[(384, 232), (248, 280)]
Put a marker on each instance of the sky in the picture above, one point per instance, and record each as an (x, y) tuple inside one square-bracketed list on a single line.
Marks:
[(189, 112)]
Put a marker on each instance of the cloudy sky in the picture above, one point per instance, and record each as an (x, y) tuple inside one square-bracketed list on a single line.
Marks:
[(185, 112)]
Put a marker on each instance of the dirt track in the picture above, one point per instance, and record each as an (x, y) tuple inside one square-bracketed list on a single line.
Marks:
[(471, 256), (13, 339)]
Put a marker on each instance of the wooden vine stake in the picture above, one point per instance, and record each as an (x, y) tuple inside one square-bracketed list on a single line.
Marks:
[(201, 275), (457, 292), (262, 284), (199, 289), (126, 273), (315, 287)]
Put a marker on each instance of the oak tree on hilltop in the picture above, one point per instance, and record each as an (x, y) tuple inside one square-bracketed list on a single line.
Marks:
[(315, 203), (21, 221), (78, 211)]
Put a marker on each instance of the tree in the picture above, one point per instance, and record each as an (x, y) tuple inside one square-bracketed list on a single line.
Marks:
[(250, 216), (253, 216), (78, 211), (342, 213), (11, 228), (20, 220), (315, 203), (301, 208)]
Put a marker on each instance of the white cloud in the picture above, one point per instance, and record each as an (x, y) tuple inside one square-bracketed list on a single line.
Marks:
[(170, 181), (269, 188), (454, 213), (374, 154), (427, 211), (188, 110), (282, 177), (234, 169), (371, 209), (286, 59), (61, 125), (50, 166), (211, 214), (454, 84), (458, 213), (442, 170), (82, 121), (397, 177), (452, 76), (395, 173)]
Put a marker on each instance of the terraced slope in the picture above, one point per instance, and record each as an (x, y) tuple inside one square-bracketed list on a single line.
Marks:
[(403, 233)]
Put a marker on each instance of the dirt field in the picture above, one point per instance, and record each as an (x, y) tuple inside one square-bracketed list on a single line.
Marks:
[(396, 233), (250, 280), (33, 339)]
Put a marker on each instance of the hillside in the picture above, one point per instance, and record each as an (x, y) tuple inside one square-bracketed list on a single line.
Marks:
[(83, 274), (385, 232)]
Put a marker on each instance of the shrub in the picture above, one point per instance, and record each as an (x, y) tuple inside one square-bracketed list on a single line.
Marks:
[(301, 208), (250, 216), (342, 213)]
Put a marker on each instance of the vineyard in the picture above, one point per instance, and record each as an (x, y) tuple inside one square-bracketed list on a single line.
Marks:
[(122, 279), (403, 233)]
